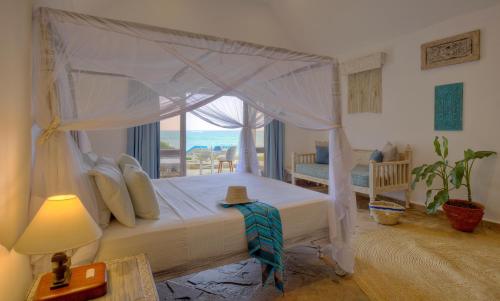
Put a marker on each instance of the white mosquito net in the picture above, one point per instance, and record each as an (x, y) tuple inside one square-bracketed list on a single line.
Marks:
[(83, 66)]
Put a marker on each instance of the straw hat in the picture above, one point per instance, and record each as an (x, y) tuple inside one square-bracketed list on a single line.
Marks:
[(236, 195)]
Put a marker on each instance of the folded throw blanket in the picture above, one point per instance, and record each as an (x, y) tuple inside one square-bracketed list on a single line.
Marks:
[(264, 238)]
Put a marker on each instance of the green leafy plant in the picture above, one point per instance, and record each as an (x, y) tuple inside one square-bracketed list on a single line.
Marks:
[(435, 197), (165, 145), (461, 173)]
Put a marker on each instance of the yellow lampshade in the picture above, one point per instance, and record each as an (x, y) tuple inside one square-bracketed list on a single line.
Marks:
[(62, 223)]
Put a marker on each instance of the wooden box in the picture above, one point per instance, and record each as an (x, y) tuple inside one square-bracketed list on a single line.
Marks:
[(79, 288)]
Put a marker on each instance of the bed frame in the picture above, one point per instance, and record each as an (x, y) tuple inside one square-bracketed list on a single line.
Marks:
[(383, 177), (319, 238)]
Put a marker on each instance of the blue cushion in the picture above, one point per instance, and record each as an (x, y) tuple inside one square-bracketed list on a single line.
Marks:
[(360, 175), (313, 170), (321, 154), (377, 156)]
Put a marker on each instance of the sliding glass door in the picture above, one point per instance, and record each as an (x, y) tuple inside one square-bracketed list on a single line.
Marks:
[(209, 148), (259, 144), (190, 146), (173, 147)]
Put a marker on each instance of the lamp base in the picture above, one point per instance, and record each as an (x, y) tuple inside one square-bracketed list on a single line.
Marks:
[(61, 270)]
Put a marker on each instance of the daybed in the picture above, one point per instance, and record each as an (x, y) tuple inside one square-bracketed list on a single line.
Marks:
[(368, 177), (194, 233)]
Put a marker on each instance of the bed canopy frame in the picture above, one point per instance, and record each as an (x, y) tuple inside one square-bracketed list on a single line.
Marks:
[(83, 66)]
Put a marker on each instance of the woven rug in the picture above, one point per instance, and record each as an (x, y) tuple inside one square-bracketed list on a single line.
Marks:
[(423, 258), (306, 278)]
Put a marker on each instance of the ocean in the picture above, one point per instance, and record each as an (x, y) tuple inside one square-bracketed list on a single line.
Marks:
[(208, 138)]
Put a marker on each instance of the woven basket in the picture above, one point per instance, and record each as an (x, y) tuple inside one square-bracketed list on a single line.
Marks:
[(386, 213)]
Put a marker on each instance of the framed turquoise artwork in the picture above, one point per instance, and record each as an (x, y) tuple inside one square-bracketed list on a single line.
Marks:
[(448, 107)]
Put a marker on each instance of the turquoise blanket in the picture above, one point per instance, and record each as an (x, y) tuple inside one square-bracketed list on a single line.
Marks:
[(264, 239)]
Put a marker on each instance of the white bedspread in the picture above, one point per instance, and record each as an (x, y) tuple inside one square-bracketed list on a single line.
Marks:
[(193, 227)]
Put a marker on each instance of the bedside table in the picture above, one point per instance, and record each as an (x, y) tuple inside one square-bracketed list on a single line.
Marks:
[(129, 278)]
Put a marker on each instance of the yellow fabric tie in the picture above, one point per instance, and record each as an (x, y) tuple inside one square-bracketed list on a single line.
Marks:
[(46, 133)]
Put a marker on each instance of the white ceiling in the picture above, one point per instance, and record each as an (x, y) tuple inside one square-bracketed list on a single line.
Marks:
[(335, 26), (330, 27)]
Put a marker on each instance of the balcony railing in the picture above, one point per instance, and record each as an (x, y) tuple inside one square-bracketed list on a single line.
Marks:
[(200, 162)]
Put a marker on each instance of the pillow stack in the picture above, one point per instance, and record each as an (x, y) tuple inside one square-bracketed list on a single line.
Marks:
[(114, 192), (388, 153), (125, 189)]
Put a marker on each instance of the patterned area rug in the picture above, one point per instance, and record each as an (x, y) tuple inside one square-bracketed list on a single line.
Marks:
[(423, 258), (306, 278)]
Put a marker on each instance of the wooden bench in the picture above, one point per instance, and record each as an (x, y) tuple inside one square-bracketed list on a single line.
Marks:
[(381, 177)]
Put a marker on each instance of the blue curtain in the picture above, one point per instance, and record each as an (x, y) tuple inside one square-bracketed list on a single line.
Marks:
[(143, 142), (274, 137)]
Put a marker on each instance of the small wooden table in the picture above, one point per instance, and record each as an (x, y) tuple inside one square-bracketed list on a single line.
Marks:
[(129, 278)]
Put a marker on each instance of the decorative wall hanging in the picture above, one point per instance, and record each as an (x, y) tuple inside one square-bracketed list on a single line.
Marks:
[(365, 83), (457, 49), (448, 107)]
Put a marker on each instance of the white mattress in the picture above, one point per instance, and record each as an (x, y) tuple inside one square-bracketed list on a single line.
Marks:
[(192, 226)]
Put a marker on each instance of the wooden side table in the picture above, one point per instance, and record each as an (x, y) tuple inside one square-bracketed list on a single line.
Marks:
[(129, 278)]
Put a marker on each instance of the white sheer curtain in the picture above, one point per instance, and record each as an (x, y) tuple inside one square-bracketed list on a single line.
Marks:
[(231, 112), (83, 66)]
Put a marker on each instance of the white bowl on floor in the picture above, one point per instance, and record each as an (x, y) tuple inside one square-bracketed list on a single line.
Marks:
[(386, 213)]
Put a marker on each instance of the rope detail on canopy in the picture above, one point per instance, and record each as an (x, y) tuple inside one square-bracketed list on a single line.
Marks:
[(47, 132)]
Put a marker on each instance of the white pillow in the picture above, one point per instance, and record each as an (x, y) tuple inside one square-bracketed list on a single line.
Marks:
[(104, 215), (114, 192), (142, 192), (127, 159), (103, 210), (390, 152), (107, 161), (90, 158)]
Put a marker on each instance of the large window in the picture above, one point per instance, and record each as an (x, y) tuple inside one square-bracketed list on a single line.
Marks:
[(191, 146), (209, 148)]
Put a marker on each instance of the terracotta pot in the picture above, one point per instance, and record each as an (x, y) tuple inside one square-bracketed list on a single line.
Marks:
[(463, 218)]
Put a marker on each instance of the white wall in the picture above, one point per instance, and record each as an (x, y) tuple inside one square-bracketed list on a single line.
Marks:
[(15, 91), (301, 141), (408, 102)]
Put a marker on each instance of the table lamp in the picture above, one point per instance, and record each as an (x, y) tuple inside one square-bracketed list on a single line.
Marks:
[(61, 224)]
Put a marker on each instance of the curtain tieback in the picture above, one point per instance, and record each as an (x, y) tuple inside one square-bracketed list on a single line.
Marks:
[(46, 133)]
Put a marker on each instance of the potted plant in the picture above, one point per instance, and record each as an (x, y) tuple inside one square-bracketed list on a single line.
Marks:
[(435, 197), (465, 215)]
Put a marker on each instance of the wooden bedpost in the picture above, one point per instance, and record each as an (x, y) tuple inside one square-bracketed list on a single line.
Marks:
[(293, 169), (371, 179), (409, 158)]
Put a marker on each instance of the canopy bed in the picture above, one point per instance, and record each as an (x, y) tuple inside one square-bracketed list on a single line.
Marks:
[(83, 65), (194, 232)]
